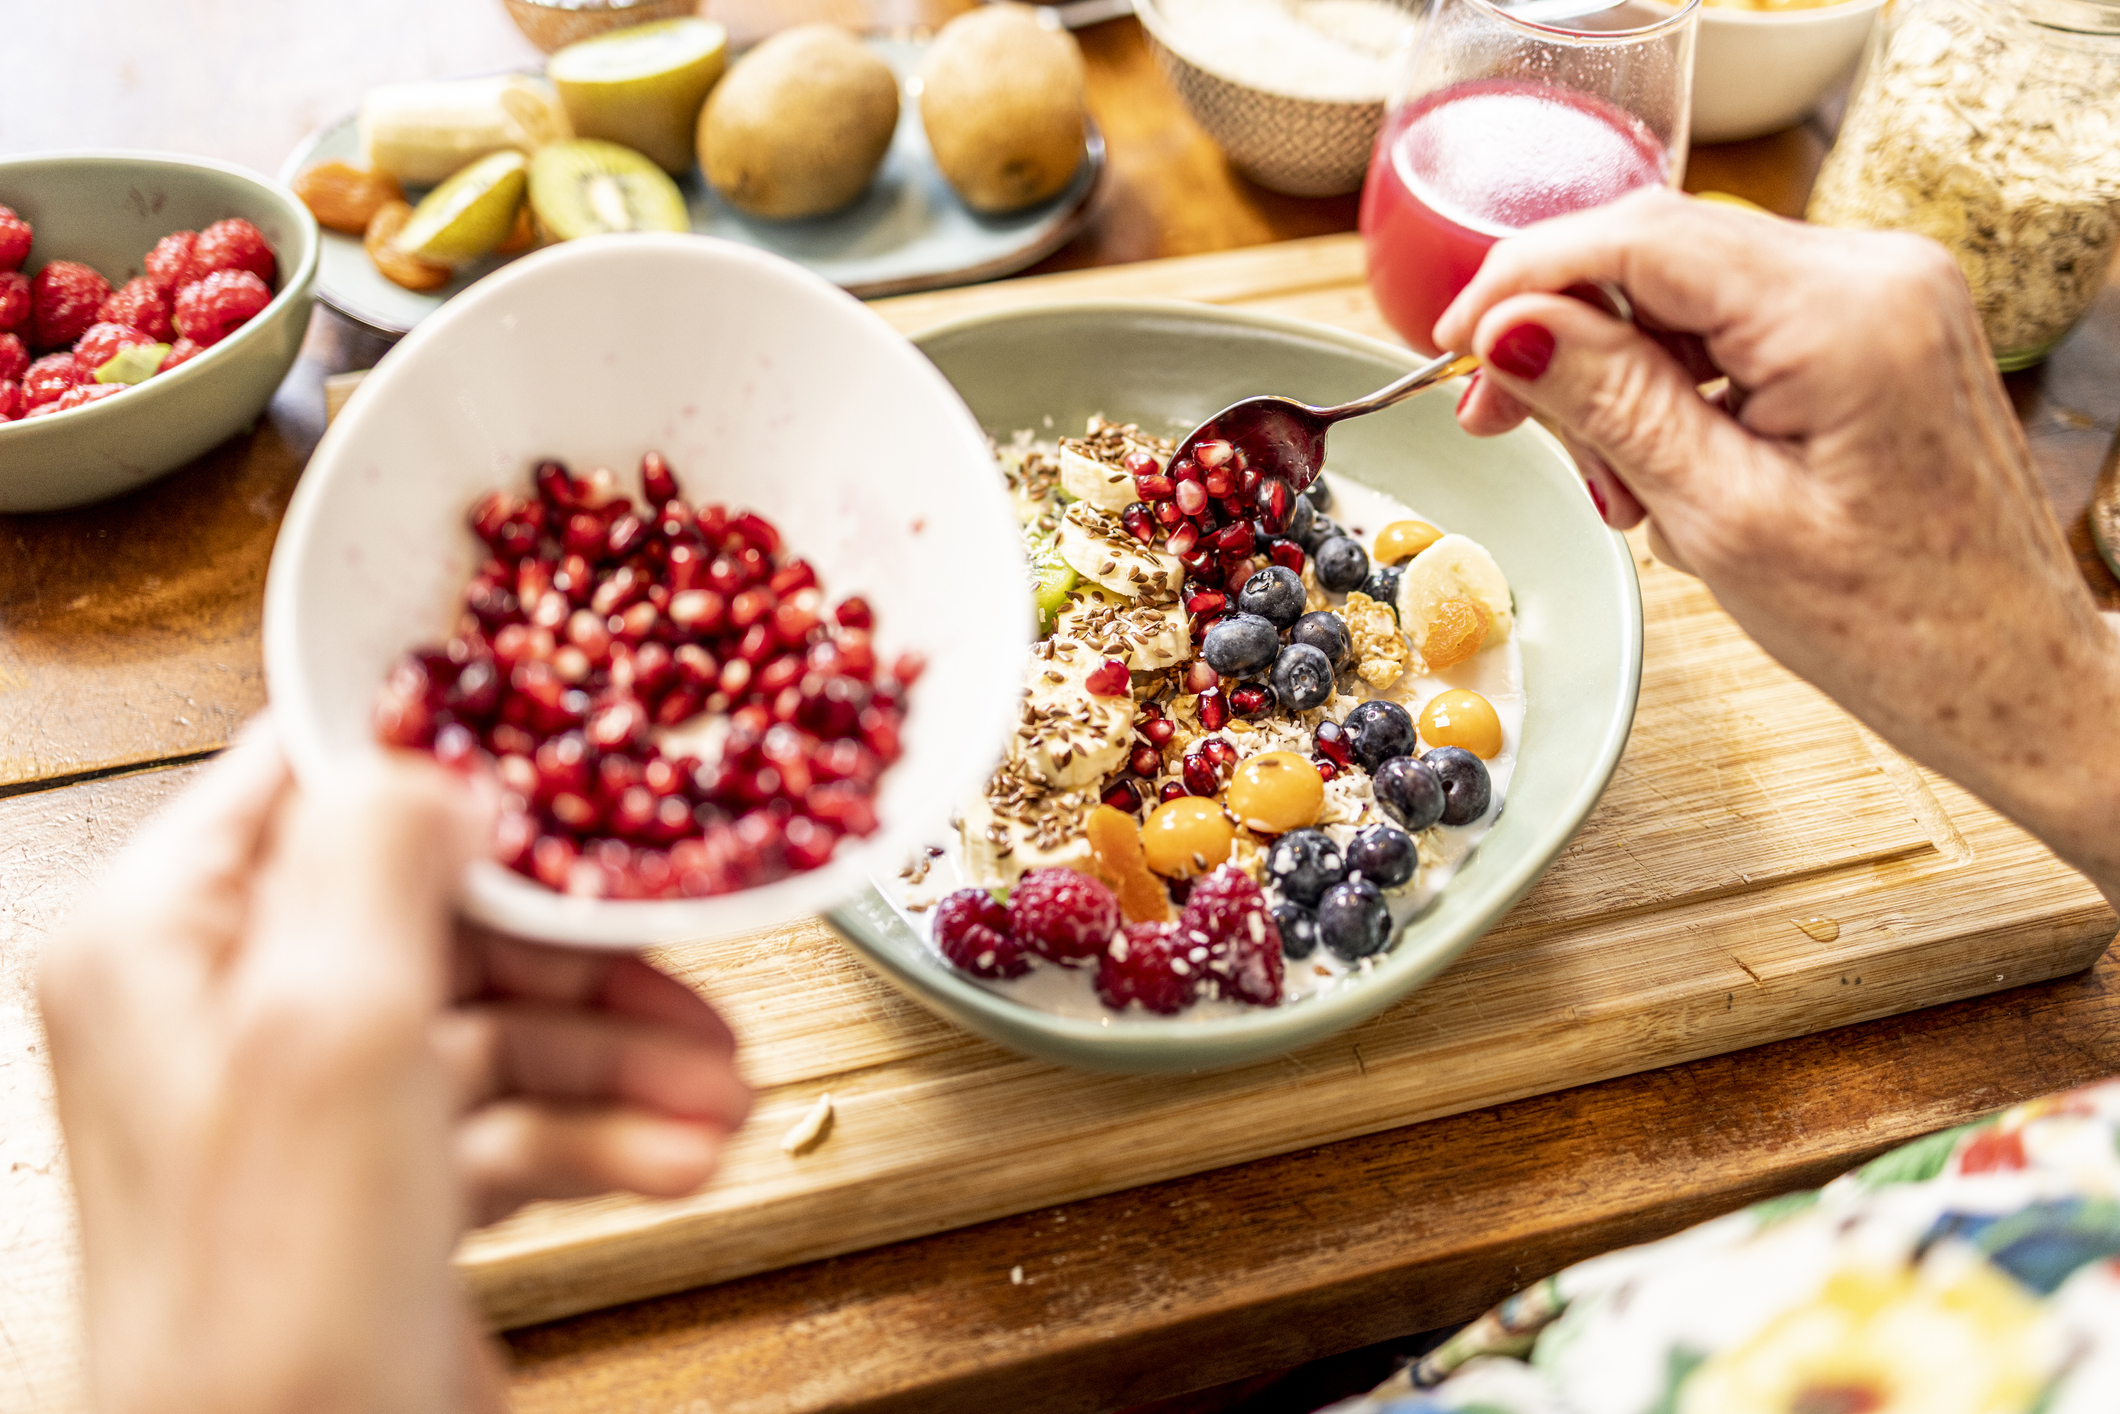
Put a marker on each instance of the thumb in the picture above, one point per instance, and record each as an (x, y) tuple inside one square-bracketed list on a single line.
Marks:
[(1610, 388)]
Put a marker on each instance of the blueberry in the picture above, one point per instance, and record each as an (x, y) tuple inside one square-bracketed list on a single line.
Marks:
[(1300, 515), (1383, 585), (1325, 631), (1299, 929), (1353, 919), (1466, 786), (1240, 645), (1305, 863), (1341, 563), (1377, 731), (1320, 494), (1410, 792), (1382, 855), (1274, 594), (1302, 677), (1322, 527)]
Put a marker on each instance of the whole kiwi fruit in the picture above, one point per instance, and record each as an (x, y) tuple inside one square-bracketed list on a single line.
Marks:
[(801, 123), (1001, 98)]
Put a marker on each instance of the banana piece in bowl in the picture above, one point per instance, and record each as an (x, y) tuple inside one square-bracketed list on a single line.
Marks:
[(422, 132), (1455, 567)]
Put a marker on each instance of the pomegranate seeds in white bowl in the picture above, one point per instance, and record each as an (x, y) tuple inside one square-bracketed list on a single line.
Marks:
[(769, 391)]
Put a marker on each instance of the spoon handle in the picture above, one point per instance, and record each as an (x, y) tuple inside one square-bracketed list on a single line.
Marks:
[(1436, 370)]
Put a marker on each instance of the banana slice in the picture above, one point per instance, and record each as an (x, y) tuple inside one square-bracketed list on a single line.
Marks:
[(1105, 486), (1067, 735), (1454, 567), (422, 132), (1002, 842), (1149, 637), (1098, 547)]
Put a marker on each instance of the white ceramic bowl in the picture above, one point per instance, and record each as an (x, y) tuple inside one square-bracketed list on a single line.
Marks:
[(1759, 71), (764, 386)]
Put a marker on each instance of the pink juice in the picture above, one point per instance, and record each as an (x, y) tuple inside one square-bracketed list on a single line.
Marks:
[(1472, 163)]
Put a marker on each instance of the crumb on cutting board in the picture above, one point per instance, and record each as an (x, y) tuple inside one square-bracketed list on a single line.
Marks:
[(810, 1130)]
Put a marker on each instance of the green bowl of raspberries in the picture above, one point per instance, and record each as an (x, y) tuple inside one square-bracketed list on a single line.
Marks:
[(149, 305)]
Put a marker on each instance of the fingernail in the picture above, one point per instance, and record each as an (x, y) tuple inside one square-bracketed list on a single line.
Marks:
[(1472, 385), (1597, 498), (1523, 351)]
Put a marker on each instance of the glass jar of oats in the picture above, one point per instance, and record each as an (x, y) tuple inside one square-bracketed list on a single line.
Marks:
[(1994, 127)]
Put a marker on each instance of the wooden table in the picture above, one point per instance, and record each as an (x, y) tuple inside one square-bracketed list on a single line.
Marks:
[(128, 648)]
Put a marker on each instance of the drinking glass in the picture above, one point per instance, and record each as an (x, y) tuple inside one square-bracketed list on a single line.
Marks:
[(1496, 122)]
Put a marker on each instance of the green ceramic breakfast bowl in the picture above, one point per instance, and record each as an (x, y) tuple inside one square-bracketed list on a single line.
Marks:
[(107, 210), (1578, 607)]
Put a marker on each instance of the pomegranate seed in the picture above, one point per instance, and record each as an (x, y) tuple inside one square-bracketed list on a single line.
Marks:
[(735, 677), (686, 566), (532, 579), (1139, 522), (845, 804), (1214, 710), (679, 705), (1199, 561), (585, 534), (756, 531), (615, 774), (1159, 730), (1331, 741), (551, 611), (517, 774), (1251, 700), (476, 694), (674, 521), (1146, 761), (1220, 481), (1199, 776), (1326, 769), (1140, 464), (492, 605), (792, 576), (1232, 508), (600, 488), (1109, 679), (1183, 540), (1152, 486), (652, 668), (633, 817), (695, 664), (619, 726), (1249, 486), (563, 764), (1213, 454), (1173, 790), (491, 513), (404, 722), (810, 843), (1239, 569), (908, 666), (1167, 513), (1206, 601), (657, 479), (857, 655), (635, 624), (571, 664), (780, 673), (574, 578), (698, 610), (793, 620), (1124, 796), (559, 490), (1285, 553), (1234, 540), (586, 631), (879, 732), (726, 574), (1191, 497), (627, 534), (757, 643), (622, 587), (1275, 501), (713, 522), (1199, 677), (552, 860), (750, 606), (1218, 750), (854, 612)]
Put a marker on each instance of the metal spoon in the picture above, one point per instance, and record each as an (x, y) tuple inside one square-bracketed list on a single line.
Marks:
[(1285, 438)]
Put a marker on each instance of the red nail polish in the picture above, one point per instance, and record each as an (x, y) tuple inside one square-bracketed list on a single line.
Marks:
[(1597, 498), (1472, 386), (1523, 351)]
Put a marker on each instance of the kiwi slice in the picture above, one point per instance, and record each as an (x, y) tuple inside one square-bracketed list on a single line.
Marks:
[(587, 187), (1052, 580)]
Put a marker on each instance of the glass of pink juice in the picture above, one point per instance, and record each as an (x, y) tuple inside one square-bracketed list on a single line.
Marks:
[(1498, 122)]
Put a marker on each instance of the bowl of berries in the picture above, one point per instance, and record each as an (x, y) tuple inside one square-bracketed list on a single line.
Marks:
[(1284, 750), (149, 306), (691, 553)]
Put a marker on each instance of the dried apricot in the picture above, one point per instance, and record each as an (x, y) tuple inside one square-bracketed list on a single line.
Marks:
[(345, 198), (1116, 840), (522, 236), (1455, 633), (1465, 719), (397, 266)]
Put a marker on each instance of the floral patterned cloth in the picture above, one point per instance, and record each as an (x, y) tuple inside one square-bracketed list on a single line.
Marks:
[(1976, 1271)]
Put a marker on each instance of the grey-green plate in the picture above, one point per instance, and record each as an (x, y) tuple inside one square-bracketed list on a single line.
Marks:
[(1578, 619), (908, 232)]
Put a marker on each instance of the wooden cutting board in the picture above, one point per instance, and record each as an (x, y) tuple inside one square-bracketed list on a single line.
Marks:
[(1760, 868)]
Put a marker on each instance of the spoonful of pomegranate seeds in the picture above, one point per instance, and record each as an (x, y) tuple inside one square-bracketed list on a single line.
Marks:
[(1281, 439)]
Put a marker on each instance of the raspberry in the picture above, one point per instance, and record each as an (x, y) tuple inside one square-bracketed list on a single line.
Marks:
[(1227, 913), (48, 377), (14, 359), (14, 301), (179, 352), (101, 344), (15, 236), (11, 404), (1143, 966), (972, 931), (212, 309), (63, 302), (1065, 915), (232, 245), (142, 305), (169, 263), (78, 397)]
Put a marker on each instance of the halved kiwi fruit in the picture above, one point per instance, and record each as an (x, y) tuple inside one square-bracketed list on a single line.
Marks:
[(586, 187)]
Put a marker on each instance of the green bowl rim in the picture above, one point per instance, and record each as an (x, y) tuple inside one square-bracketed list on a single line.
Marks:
[(293, 287), (1400, 972)]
